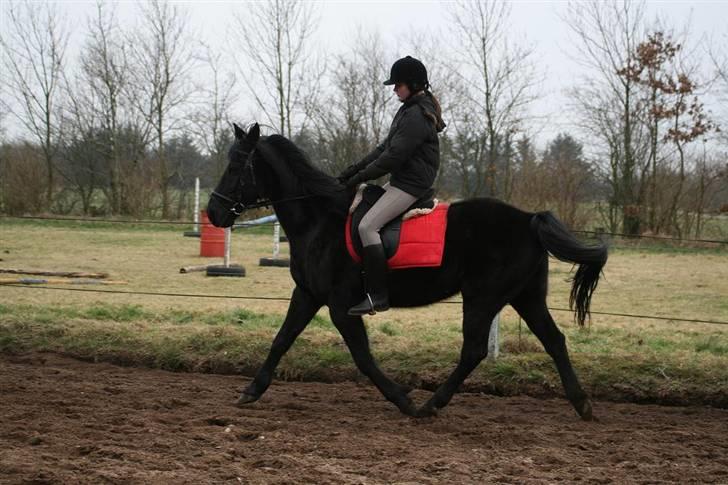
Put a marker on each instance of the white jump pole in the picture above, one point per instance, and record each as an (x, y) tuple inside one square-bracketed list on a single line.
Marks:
[(195, 232), (276, 260), (493, 347), (276, 240), (197, 205), (226, 269), (226, 261)]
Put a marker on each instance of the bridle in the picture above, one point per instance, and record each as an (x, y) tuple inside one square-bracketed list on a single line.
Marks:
[(237, 206)]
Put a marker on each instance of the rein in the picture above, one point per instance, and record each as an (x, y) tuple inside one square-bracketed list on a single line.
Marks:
[(238, 207)]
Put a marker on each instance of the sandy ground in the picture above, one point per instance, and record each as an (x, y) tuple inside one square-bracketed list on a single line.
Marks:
[(66, 421)]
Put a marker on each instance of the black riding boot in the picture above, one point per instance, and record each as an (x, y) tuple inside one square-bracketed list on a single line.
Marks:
[(375, 279)]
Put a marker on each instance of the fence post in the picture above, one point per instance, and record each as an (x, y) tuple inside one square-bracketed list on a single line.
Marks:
[(195, 232), (226, 269), (276, 240), (197, 204), (275, 260), (493, 337), (226, 260)]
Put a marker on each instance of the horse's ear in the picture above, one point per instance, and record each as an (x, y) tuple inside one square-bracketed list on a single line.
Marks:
[(239, 133), (254, 134)]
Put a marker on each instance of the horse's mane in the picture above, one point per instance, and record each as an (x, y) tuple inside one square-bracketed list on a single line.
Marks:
[(313, 180)]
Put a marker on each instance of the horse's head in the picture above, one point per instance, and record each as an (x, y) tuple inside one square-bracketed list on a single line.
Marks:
[(237, 187)]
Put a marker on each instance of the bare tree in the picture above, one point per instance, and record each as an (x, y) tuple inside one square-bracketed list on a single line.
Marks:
[(499, 81), (104, 66), (607, 34), (351, 120), (719, 57), (96, 112), (276, 60), (671, 97), (3, 119), (598, 111), (213, 118), (566, 177), (529, 190), (34, 46), (161, 59), (426, 45), (710, 186)]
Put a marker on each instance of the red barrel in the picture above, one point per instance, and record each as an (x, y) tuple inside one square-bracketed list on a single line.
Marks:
[(212, 239)]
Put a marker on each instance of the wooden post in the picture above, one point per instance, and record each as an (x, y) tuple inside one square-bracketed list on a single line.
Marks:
[(65, 274)]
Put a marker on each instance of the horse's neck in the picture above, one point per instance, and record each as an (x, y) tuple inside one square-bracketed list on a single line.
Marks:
[(300, 219), (290, 215)]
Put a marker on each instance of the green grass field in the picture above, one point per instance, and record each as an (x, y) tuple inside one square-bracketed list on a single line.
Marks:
[(616, 358)]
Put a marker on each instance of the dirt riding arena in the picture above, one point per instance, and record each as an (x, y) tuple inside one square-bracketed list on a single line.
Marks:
[(64, 421)]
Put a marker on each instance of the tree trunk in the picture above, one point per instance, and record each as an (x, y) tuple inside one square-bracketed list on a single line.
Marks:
[(631, 212)]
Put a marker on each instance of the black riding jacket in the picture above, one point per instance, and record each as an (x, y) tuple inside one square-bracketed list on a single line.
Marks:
[(411, 151)]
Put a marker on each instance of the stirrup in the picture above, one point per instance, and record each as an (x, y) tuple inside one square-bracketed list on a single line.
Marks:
[(372, 311), (361, 307)]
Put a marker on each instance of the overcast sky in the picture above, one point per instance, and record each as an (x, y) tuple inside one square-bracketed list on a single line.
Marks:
[(538, 23)]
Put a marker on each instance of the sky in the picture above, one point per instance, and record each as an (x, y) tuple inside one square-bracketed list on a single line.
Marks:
[(537, 23)]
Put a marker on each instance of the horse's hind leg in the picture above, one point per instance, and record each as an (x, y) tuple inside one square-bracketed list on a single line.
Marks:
[(478, 314), (354, 333), (531, 305)]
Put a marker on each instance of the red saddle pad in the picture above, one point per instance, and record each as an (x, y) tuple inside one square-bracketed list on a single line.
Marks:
[(421, 240)]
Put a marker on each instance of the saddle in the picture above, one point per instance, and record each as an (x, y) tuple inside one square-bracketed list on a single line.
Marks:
[(414, 239)]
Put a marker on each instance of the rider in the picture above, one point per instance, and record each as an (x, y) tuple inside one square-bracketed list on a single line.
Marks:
[(411, 154)]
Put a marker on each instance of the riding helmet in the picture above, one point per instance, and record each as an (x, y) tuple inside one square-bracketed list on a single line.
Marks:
[(409, 71)]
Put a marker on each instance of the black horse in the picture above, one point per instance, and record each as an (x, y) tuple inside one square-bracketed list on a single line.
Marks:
[(495, 254)]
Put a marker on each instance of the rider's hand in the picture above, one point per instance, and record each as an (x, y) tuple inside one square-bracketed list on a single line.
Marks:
[(354, 181), (348, 172)]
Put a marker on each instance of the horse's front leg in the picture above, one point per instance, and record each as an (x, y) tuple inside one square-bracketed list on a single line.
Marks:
[(301, 310), (355, 336)]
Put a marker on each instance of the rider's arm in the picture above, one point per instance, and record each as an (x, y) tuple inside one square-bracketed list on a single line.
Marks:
[(355, 168), (410, 134)]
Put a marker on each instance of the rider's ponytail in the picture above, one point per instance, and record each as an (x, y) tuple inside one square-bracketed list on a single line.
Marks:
[(439, 123)]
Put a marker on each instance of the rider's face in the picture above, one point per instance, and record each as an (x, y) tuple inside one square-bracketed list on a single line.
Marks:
[(402, 91)]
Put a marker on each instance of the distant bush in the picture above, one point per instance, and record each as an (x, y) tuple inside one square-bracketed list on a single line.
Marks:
[(22, 179)]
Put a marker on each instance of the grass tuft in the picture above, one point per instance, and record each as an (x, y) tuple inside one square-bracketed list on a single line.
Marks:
[(388, 329), (712, 345), (117, 313)]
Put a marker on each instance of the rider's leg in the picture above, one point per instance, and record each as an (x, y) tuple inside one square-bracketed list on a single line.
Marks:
[(391, 204)]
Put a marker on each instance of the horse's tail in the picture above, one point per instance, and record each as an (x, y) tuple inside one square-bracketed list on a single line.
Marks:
[(556, 238)]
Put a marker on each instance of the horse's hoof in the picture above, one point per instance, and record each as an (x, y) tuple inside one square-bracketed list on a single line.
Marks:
[(408, 408), (246, 399), (426, 411), (585, 411)]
